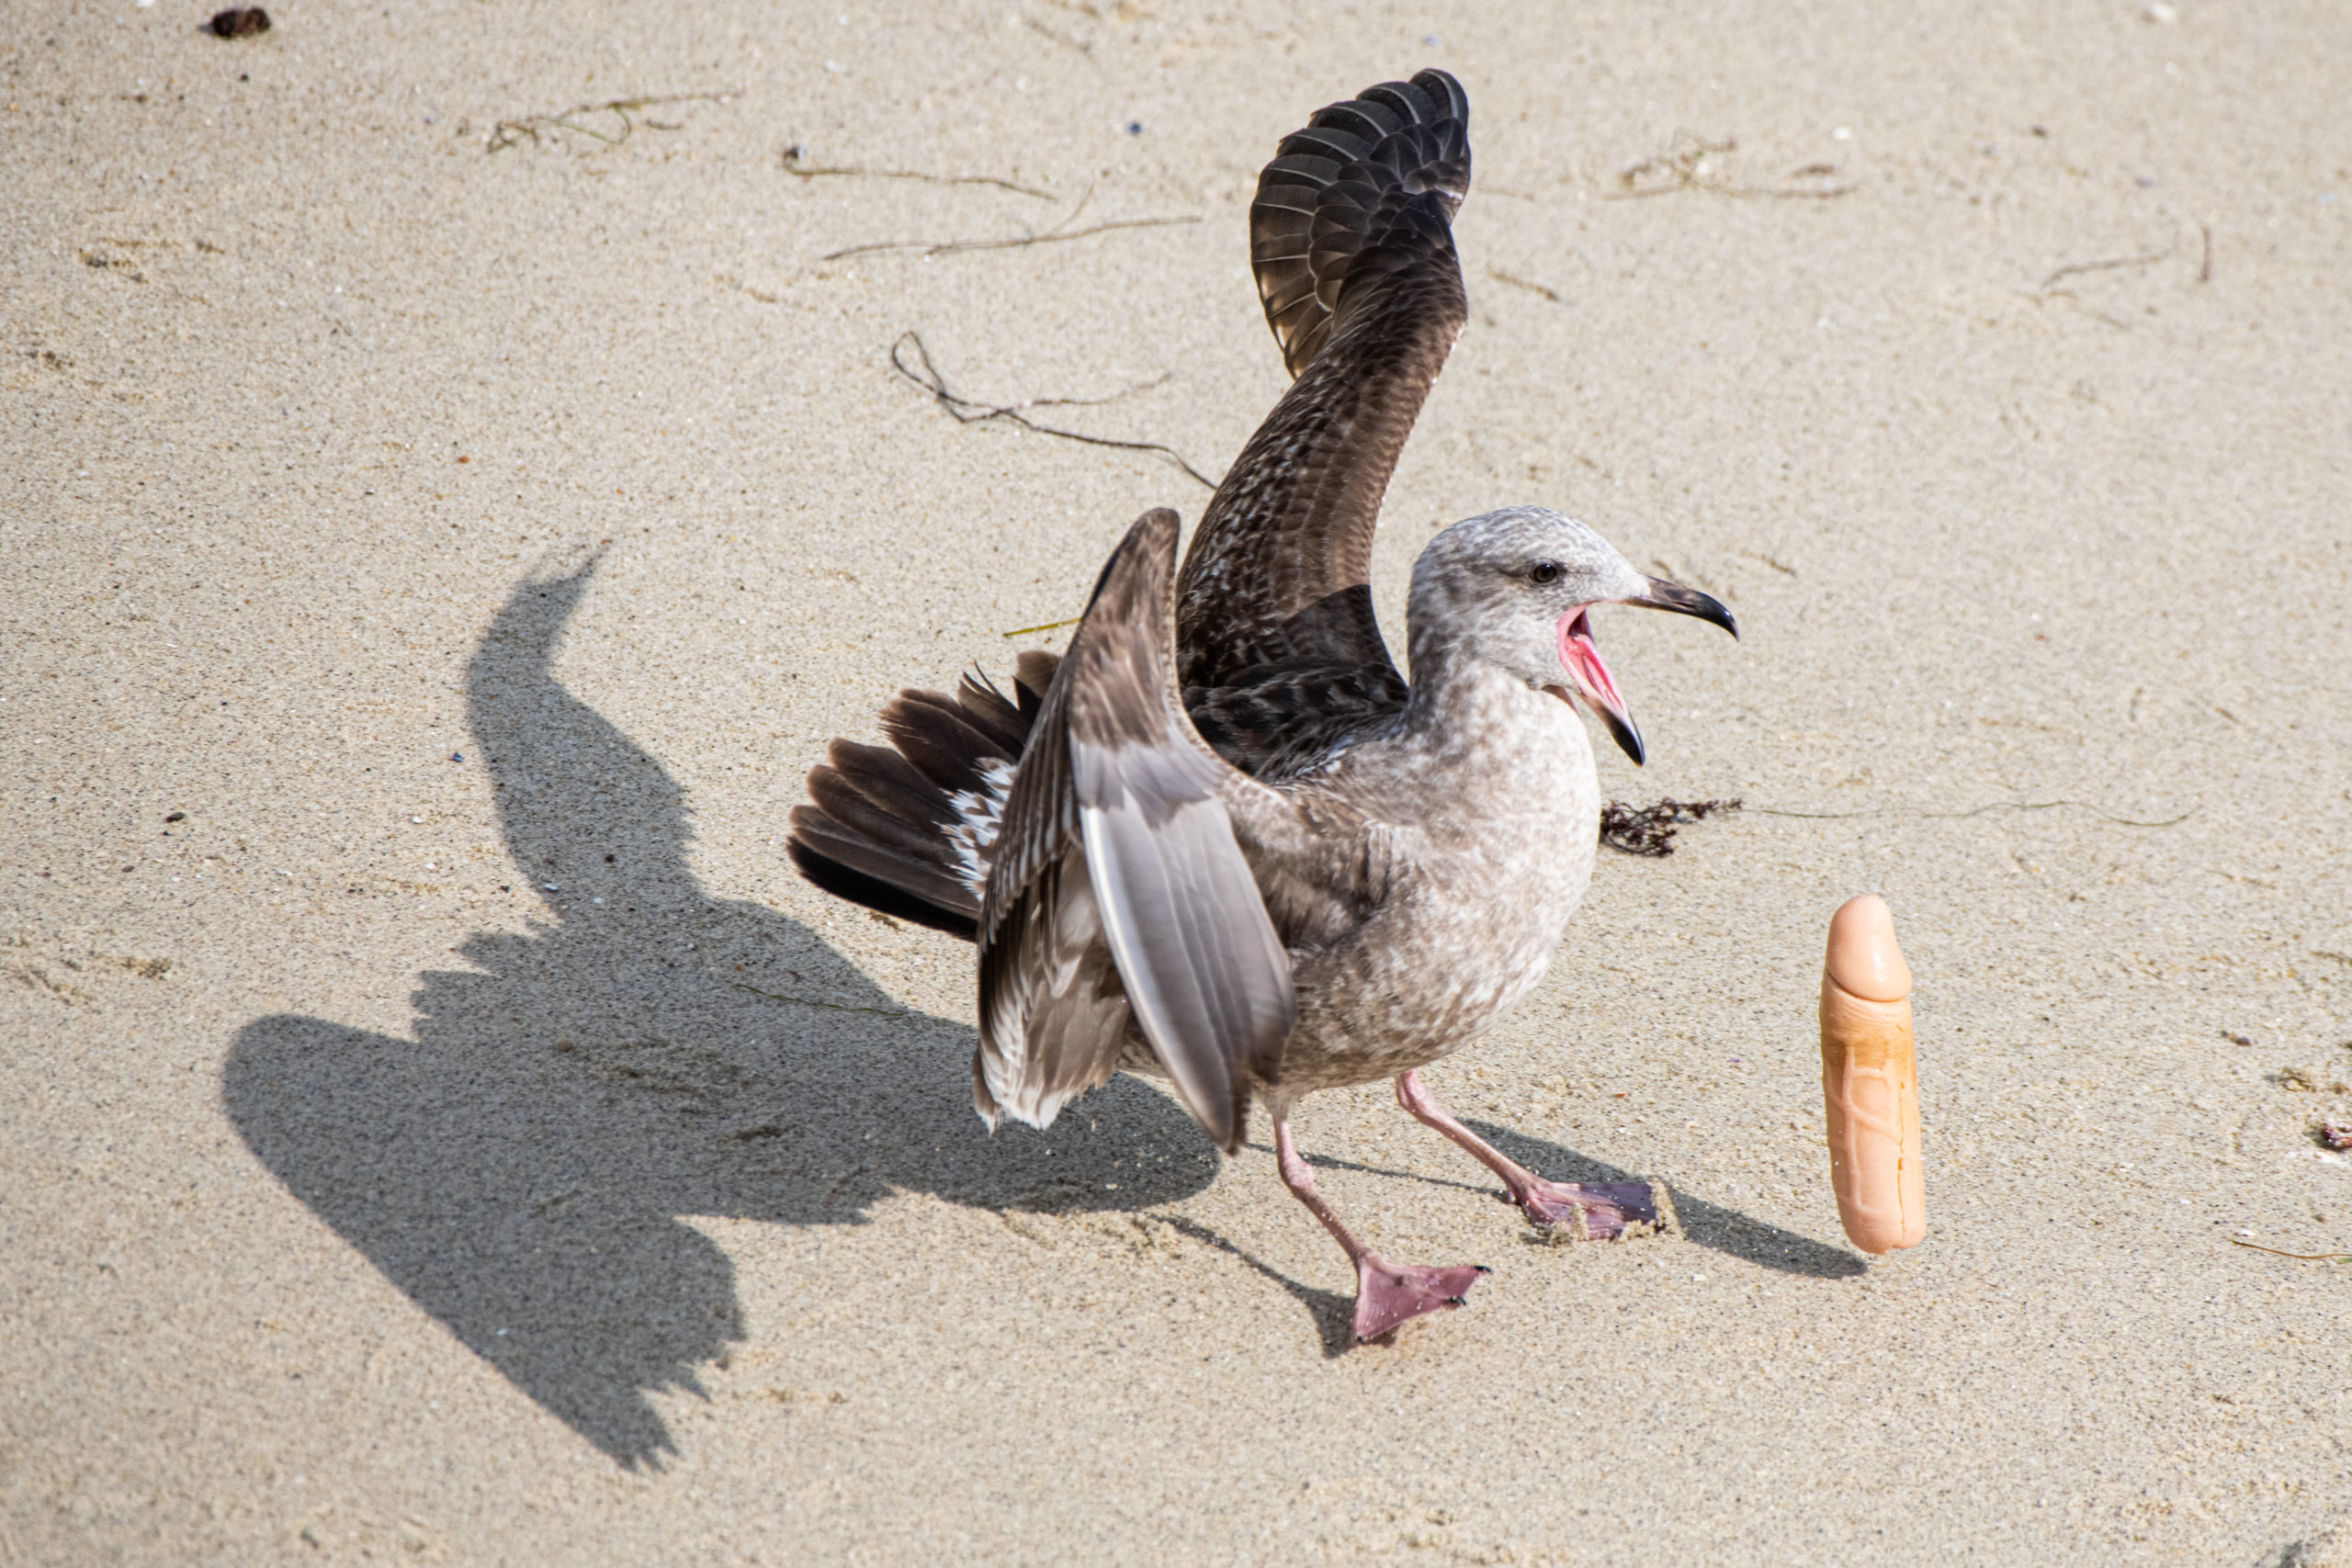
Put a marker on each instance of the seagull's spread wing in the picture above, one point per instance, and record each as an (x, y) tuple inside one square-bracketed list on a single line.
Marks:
[(1118, 887), (1351, 242)]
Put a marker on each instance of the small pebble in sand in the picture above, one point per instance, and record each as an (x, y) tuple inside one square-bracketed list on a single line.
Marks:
[(2336, 1135), (239, 22)]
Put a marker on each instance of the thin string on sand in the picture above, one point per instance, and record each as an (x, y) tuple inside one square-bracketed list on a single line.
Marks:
[(1648, 830), (2075, 269), (1976, 811), (514, 133), (796, 161), (2299, 1256), (2048, 289), (925, 374), (1056, 235), (1502, 276), (1686, 168)]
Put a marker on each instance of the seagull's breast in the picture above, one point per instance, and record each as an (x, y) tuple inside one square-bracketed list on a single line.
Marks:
[(1494, 847)]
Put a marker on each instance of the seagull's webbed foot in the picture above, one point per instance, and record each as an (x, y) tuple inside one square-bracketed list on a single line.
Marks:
[(1586, 1210), (1581, 1210), (1388, 1294)]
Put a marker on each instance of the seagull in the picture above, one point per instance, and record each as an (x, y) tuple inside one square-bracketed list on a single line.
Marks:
[(1222, 841)]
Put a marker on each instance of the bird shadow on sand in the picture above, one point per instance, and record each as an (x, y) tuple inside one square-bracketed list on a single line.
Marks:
[(1334, 1315), (521, 1165)]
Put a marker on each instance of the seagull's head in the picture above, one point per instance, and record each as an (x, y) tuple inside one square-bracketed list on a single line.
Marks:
[(1515, 588)]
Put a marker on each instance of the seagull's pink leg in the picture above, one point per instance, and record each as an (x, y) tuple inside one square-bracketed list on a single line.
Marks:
[(1599, 1210), (1386, 1295)]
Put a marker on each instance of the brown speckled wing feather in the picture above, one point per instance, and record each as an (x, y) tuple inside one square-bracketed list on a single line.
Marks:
[(1352, 242), (1118, 887)]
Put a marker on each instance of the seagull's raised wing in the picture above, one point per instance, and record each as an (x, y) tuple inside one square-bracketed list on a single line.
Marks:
[(1351, 242), (1117, 884)]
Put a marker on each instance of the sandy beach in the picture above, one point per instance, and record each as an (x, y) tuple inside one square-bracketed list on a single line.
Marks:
[(460, 482)]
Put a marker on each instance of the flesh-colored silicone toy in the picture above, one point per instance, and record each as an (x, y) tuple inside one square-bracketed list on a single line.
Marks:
[(1870, 1080)]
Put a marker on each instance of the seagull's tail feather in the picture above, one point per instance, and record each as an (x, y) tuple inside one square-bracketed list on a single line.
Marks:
[(910, 828)]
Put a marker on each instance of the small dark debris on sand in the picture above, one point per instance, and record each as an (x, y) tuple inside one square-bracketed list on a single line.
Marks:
[(1649, 829), (2336, 1135), (238, 22)]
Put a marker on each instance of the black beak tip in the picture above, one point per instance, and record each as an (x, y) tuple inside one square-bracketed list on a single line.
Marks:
[(1707, 607), (1628, 739), (1664, 595)]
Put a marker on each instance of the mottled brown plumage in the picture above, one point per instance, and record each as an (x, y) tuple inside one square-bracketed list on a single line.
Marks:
[(1221, 840), (1116, 845), (1278, 651)]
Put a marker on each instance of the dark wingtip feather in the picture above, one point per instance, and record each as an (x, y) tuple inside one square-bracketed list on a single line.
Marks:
[(884, 827), (1447, 92), (922, 876), (1033, 676), (989, 709), (874, 893), (891, 782), (934, 733), (1357, 176), (836, 798)]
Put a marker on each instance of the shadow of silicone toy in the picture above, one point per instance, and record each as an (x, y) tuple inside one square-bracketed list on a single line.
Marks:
[(1704, 1224), (520, 1167)]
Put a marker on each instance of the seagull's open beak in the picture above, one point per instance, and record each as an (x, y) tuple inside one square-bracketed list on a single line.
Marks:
[(1593, 682), (1664, 595)]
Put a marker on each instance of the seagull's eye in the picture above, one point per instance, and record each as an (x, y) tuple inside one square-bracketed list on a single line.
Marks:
[(1544, 571)]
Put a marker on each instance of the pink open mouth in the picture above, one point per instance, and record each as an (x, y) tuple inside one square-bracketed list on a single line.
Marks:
[(1583, 660), (1594, 684)]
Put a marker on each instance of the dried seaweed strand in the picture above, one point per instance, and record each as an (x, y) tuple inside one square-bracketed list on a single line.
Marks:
[(966, 412), (1648, 830), (795, 162), (514, 133)]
